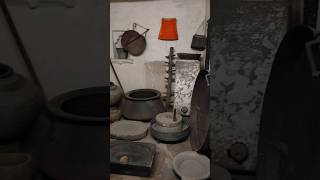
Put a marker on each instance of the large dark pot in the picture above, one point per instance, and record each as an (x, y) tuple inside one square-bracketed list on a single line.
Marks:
[(20, 104), (142, 104), (16, 166), (74, 128), (10, 148), (115, 94)]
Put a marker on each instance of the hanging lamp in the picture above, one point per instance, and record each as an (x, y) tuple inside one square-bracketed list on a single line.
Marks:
[(168, 30)]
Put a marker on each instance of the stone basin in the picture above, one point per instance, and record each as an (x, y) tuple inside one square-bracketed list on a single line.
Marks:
[(132, 158)]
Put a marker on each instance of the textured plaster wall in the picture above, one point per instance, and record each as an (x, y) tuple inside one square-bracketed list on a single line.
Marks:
[(138, 72), (244, 39)]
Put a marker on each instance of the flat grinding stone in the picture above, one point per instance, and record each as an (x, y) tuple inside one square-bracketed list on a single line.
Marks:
[(128, 130), (166, 119)]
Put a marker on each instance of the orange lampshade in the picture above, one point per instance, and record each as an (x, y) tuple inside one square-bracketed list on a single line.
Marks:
[(168, 30)]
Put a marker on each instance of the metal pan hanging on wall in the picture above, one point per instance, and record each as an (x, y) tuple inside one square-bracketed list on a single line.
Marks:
[(133, 42), (199, 122)]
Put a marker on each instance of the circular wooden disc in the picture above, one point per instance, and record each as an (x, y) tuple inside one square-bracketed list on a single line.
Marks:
[(199, 122)]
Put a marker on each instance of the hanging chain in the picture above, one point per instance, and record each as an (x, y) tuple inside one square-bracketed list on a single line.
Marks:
[(143, 34), (134, 26)]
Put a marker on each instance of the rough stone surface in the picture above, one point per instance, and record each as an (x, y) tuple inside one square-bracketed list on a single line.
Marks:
[(128, 130), (244, 40), (186, 74)]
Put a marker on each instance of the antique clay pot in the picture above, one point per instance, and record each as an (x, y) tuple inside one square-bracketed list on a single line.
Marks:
[(16, 166), (74, 131), (20, 105), (142, 104), (115, 94)]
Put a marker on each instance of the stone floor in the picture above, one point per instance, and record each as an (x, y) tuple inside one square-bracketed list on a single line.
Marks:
[(162, 169)]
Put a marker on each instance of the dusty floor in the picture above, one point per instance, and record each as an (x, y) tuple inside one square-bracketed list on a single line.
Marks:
[(162, 169)]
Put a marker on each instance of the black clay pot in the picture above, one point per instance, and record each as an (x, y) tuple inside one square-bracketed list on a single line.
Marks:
[(74, 128), (9, 148), (142, 104), (16, 166), (20, 104)]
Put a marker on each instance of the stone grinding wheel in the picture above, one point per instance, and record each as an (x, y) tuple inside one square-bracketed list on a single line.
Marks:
[(133, 42), (170, 137), (166, 129), (165, 119), (128, 130), (199, 113)]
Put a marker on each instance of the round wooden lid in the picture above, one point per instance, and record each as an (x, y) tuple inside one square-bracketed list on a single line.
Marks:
[(199, 122)]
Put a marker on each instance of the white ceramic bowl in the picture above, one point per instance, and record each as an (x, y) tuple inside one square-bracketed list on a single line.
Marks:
[(190, 165)]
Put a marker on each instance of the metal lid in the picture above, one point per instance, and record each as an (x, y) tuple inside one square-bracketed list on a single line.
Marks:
[(133, 42)]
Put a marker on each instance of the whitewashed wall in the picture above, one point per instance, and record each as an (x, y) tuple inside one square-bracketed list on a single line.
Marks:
[(135, 73), (66, 45)]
